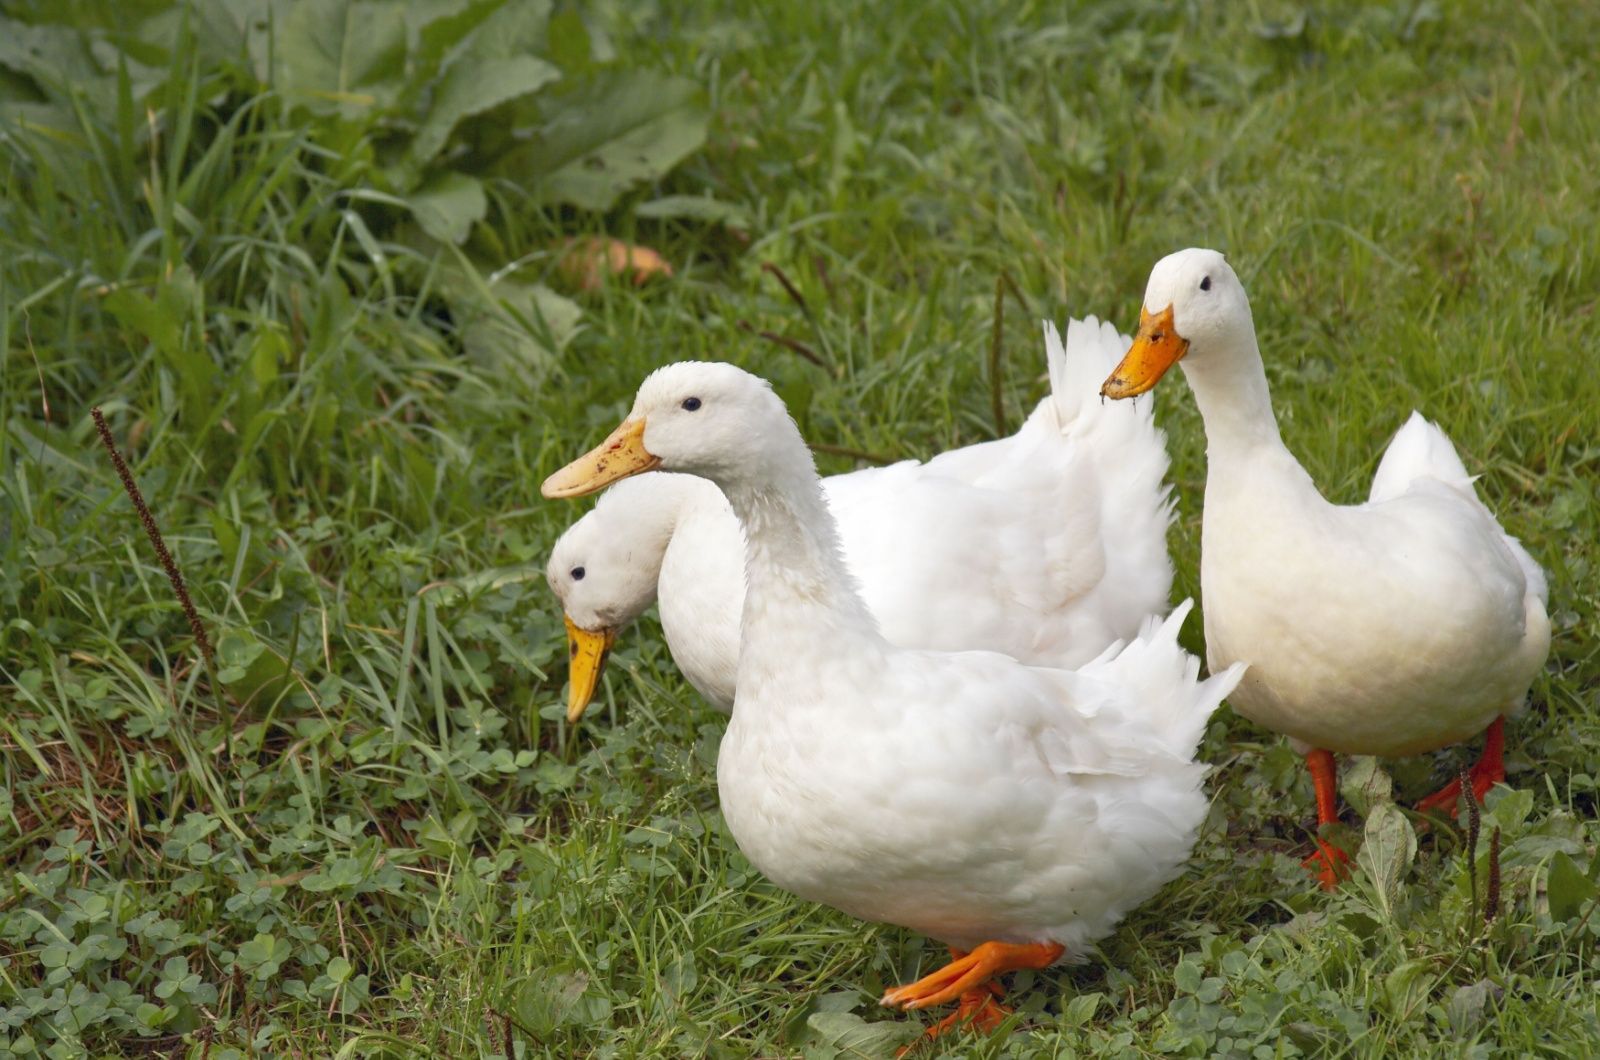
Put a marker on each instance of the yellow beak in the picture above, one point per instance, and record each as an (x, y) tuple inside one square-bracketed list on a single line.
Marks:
[(620, 455), (1156, 348), (586, 660)]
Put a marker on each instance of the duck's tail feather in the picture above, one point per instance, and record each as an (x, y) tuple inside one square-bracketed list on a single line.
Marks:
[(1129, 454), (1168, 701), (1419, 450), (1538, 585), (1080, 365)]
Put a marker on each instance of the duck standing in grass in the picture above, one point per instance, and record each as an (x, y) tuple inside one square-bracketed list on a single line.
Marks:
[(1013, 812), (1394, 627), (1046, 545)]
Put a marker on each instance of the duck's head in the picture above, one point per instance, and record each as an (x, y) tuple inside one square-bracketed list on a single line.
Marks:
[(1194, 306), (705, 418), (603, 569)]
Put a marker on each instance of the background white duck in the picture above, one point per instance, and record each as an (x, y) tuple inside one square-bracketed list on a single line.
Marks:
[(1047, 545), (1393, 627), (1014, 812)]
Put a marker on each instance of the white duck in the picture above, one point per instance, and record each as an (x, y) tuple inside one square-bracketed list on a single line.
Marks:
[(1047, 545), (1393, 627), (1014, 812)]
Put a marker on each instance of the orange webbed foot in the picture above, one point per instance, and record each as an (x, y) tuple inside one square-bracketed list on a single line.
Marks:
[(1329, 865), (971, 972), (976, 1010)]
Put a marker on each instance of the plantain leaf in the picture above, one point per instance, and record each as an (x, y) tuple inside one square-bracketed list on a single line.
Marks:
[(611, 132), (472, 88), (448, 206), (846, 1036), (694, 208), (1569, 890), (343, 57), (1386, 854)]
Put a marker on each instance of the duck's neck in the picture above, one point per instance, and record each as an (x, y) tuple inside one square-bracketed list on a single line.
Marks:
[(1230, 387), (650, 508), (795, 575)]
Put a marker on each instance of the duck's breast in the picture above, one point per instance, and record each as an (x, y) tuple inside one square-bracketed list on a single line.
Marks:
[(1387, 628)]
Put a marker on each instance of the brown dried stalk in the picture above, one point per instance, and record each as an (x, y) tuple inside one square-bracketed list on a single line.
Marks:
[(174, 575), (805, 311), (788, 286), (1472, 837), (786, 342), (1491, 901)]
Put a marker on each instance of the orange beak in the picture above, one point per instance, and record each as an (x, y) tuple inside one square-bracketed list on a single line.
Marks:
[(586, 658), (1156, 348), (620, 455)]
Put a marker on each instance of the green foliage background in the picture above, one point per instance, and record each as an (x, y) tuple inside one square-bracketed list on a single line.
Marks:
[(307, 258)]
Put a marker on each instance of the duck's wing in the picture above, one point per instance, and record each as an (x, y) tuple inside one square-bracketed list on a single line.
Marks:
[(1146, 697), (1139, 709)]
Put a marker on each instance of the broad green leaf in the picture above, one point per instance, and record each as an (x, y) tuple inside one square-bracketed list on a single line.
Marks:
[(338, 969), (568, 40), (1467, 1005), (511, 27), (1364, 784), (548, 999), (1507, 807), (845, 1036), (1081, 1009), (221, 31), (1389, 847), (448, 206), (1407, 987), (614, 130), (469, 585), (173, 321), (263, 954), (694, 208), (439, 26), (342, 56), (472, 88), (1569, 890), (524, 324), (53, 56)]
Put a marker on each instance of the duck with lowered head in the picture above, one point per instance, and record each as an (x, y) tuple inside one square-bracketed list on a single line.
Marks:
[(1397, 626), (1046, 545), (1014, 812)]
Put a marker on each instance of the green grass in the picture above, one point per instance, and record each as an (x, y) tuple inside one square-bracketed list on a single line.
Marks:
[(378, 835)]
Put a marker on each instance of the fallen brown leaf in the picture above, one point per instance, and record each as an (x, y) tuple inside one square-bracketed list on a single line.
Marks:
[(586, 262)]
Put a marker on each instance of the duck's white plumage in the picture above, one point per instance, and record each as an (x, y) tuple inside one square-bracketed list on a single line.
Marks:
[(1400, 625), (965, 795), (1046, 545)]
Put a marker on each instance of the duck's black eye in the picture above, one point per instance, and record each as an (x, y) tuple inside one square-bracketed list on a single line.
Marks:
[(578, 573), (690, 404), (1205, 284)]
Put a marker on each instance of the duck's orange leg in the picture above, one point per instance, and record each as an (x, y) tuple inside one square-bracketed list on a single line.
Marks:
[(1489, 770), (967, 979), (976, 1009), (1329, 862)]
